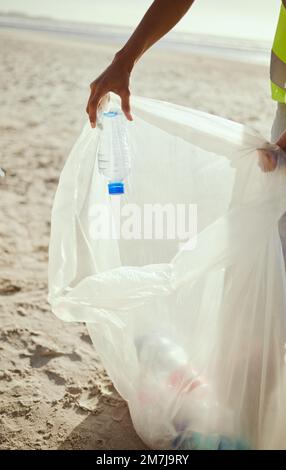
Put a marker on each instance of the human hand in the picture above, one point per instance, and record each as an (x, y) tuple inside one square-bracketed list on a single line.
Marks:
[(116, 79), (268, 158), (282, 141)]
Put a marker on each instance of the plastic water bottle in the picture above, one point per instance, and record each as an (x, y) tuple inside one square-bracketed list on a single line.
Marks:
[(114, 151), (159, 354)]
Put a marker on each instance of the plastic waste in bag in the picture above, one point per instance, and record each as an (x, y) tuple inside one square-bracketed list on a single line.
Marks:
[(165, 370), (186, 308)]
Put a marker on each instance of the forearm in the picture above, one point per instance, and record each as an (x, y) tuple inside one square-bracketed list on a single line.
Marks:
[(161, 17)]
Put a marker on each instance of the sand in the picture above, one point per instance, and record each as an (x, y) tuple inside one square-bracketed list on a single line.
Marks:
[(54, 393)]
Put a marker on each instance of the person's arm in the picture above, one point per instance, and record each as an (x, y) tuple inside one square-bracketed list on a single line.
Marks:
[(161, 17)]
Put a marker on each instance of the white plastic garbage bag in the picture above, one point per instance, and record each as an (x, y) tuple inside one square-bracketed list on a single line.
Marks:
[(181, 280)]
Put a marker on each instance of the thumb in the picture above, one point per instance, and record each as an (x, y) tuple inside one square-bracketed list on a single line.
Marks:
[(125, 105)]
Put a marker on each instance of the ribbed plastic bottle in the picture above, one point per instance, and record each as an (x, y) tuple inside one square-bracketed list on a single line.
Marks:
[(114, 150)]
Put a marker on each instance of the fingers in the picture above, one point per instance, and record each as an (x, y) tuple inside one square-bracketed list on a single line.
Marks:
[(99, 99), (92, 110), (125, 104), (282, 140), (267, 160), (92, 106)]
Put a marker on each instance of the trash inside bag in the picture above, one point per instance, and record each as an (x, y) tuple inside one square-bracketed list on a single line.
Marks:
[(178, 272)]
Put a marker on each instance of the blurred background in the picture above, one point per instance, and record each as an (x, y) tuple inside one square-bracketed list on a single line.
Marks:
[(54, 392), (245, 26), (242, 19)]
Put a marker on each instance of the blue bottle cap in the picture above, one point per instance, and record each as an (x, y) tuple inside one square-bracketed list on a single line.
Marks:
[(116, 188), (110, 114)]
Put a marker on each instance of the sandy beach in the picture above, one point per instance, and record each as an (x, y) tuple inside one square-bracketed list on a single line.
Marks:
[(54, 393)]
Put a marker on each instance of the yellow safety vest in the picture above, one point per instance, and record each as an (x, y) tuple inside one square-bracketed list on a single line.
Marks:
[(278, 59)]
